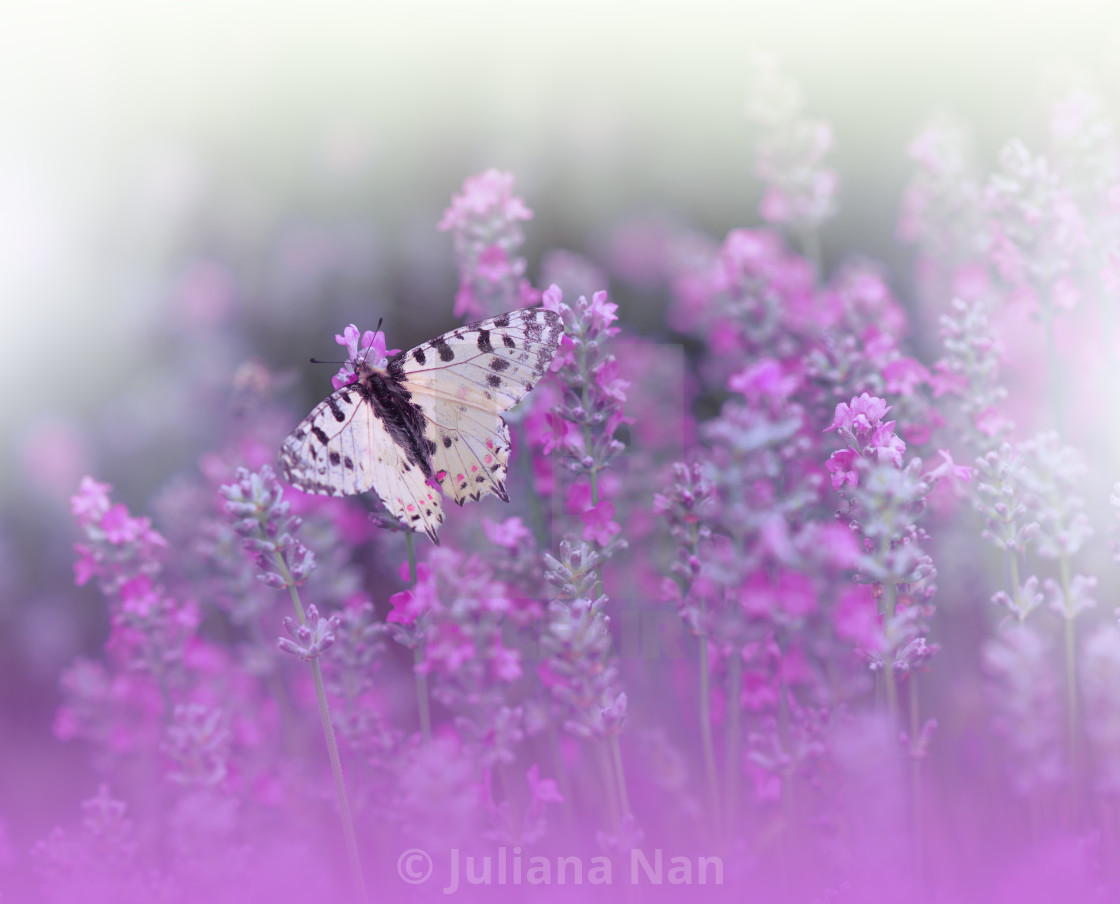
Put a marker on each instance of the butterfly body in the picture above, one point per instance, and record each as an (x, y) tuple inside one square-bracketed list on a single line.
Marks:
[(429, 417)]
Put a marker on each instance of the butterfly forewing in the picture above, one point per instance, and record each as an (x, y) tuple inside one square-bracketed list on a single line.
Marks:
[(464, 380), (490, 364)]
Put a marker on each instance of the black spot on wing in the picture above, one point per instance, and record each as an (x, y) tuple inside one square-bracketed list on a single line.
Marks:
[(319, 434), (508, 342), (335, 410), (335, 458), (498, 363), (418, 356), (484, 341), (444, 350), (493, 380), (446, 441), (348, 462), (502, 320)]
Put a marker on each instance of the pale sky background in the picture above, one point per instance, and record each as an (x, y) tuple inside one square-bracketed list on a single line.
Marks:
[(119, 121)]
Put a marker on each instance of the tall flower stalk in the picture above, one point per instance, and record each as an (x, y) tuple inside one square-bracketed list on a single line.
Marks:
[(263, 520)]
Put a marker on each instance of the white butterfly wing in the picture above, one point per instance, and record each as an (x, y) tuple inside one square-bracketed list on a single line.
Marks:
[(342, 448), (464, 380)]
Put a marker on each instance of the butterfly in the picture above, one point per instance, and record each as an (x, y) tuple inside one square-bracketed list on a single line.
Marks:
[(431, 416)]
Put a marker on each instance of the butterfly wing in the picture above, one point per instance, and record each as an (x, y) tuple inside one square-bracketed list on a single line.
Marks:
[(464, 380), (342, 448)]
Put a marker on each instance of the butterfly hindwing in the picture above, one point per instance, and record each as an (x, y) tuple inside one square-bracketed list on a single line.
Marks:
[(472, 448), (343, 448)]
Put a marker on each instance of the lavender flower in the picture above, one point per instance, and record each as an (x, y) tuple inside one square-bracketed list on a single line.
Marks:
[(197, 743), (790, 153), (1025, 699), (484, 223), (262, 519), (310, 638), (1036, 230)]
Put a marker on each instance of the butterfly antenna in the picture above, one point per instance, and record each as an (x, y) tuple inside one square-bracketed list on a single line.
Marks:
[(365, 351)]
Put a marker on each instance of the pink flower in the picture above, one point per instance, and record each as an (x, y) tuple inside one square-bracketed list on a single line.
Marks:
[(948, 468), (552, 298), (887, 447), (510, 534), (765, 380), (542, 790), (467, 303), (493, 263), (139, 597), (842, 466), (856, 618), (835, 543), (602, 313), (613, 385), (449, 646), (91, 501), (409, 605), (863, 413), (992, 422), (597, 523), (85, 567), (487, 194), (565, 436), (119, 527), (368, 347), (943, 381), (904, 375), (506, 663)]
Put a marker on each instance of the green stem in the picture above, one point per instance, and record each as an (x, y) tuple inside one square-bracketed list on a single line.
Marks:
[(620, 775), (332, 748), (706, 729), (889, 591), (916, 779), (1054, 372), (731, 760), (536, 513), (610, 788), (1071, 699), (423, 707)]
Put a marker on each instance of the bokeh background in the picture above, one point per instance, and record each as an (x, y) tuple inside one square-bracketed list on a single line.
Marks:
[(169, 169)]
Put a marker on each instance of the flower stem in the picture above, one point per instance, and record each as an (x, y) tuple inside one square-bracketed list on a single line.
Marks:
[(422, 706), (350, 836), (916, 779), (731, 759), (620, 773), (1071, 701), (1055, 373), (706, 729), (889, 678)]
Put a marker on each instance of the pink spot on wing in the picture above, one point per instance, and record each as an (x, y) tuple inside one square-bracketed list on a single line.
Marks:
[(474, 468), (489, 444), (411, 508), (489, 458), (461, 477)]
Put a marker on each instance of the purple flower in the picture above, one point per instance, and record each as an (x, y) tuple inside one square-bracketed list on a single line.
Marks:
[(262, 519), (598, 525), (371, 350), (311, 638), (484, 223)]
